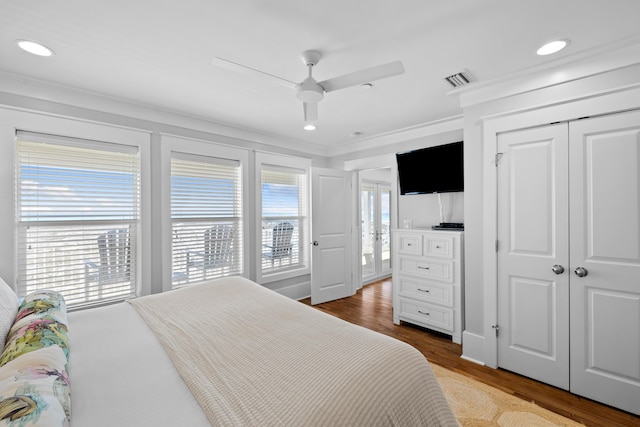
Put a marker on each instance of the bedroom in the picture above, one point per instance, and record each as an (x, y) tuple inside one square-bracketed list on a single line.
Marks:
[(69, 95)]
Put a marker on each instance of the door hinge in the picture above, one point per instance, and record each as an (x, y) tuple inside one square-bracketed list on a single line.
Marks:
[(497, 245), (498, 157), (496, 328)]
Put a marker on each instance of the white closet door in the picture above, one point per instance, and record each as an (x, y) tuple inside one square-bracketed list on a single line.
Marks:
[(605, 242), (533, 230)]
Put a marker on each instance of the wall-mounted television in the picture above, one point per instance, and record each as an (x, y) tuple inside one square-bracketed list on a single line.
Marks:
[(438, 169)]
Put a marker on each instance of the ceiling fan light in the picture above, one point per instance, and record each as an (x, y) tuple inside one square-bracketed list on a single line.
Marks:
[(552, 47), (309, 127), (34, 48)]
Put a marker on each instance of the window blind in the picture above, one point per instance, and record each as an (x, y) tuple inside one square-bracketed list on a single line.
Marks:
[(206, 216), (284, 218), (78, 206)]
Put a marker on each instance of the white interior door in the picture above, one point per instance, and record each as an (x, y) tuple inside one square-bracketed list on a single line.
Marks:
[(331, 268), (533, 291), (605, 243)]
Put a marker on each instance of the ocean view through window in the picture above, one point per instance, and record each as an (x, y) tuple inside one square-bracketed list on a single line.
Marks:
[(77, 218), (284, 224)]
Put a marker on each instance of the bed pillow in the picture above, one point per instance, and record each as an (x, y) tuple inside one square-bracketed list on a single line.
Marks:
[(34, 380), (8, 310), (41, 322), (34, 390)]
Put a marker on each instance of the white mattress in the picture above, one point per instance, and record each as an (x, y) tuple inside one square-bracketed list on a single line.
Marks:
[(121, 376)]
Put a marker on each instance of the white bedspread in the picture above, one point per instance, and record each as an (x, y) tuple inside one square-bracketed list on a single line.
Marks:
[(121, 376), (253, 357)]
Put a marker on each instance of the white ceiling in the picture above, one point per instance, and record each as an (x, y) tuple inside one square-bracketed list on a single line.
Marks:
[(158, 53)]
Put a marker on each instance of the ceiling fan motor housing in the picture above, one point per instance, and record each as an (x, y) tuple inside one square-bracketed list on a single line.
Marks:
[(309, 90)]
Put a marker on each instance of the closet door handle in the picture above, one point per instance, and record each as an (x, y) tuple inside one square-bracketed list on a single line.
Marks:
[(558, 269), (581, 272)]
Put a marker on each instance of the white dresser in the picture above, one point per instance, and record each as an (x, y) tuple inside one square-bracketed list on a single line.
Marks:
[(428, 280)]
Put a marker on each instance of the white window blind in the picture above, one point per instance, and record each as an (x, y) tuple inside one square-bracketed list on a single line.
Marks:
[(206, 216), (78, 206), (284, 219)]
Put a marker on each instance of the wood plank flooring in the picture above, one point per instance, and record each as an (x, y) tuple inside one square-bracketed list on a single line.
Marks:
[(371, 307)]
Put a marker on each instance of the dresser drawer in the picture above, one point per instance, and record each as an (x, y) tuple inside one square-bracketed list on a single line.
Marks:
[(410, 244), (439, 247), (435, 293), (427, 314), (427, 268)]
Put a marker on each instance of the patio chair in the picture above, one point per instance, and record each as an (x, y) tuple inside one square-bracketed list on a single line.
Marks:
[(217, 250), (281, 246), (114, 250)]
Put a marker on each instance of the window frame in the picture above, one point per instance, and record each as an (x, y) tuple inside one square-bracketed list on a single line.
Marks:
[(12, 121), (170, 144), (267, 161)]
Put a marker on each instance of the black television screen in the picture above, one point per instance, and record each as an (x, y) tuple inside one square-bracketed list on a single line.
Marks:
[(438, 169)]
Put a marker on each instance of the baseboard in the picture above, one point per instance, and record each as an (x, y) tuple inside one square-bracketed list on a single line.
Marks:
[(473, 347), (297, 292)]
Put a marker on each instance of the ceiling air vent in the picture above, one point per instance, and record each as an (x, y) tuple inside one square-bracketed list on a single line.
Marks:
[(460, 79)]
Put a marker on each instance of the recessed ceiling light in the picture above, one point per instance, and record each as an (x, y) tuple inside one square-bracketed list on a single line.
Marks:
[(367, 85), (309, 127), (552, 47), (34, 48)]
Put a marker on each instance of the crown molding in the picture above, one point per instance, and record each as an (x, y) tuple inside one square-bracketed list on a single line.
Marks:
[(72, 97), (580, 65), (400, 135)]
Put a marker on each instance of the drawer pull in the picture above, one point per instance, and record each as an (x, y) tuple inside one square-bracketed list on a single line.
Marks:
[(423, 312), (423, 290), (437, 247), (423, 268), (408, 244)]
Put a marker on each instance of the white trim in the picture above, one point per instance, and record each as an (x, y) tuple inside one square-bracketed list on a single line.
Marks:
[(296, 292), (18, 85), (170, 144), (614, 101), (66, 95), (293, 163), (12, 119), (579, 66), (421, 130), (474, 347)]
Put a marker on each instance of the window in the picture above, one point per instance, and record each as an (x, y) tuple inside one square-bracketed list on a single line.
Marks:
[(206, 218), (284, 218), (77, 212)]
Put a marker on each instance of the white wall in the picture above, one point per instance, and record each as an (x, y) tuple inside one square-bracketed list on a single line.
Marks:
[(423, 210)]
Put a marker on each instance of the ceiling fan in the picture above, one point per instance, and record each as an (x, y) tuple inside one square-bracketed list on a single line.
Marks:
[(310, 91)]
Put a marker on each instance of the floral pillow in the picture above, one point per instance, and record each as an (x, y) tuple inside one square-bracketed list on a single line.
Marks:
[(41, 322), (34, 380), (34, 390)]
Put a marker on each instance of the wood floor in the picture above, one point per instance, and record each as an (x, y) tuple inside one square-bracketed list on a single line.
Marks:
[(371, 308)]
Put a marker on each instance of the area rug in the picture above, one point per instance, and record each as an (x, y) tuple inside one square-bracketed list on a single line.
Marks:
[(478, 405)]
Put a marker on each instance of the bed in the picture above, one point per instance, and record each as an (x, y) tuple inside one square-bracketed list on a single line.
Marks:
[(230, 352)]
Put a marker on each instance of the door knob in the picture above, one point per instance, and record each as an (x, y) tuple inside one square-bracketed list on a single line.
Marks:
[(315, 243), (581, 272), (558, 269)]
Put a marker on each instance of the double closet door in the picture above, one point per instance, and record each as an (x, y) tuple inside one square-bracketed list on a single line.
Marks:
[(569, 256)]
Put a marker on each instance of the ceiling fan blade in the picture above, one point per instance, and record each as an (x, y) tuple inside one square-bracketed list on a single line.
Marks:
[(310, 111), (234, 66), (363, 76)]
